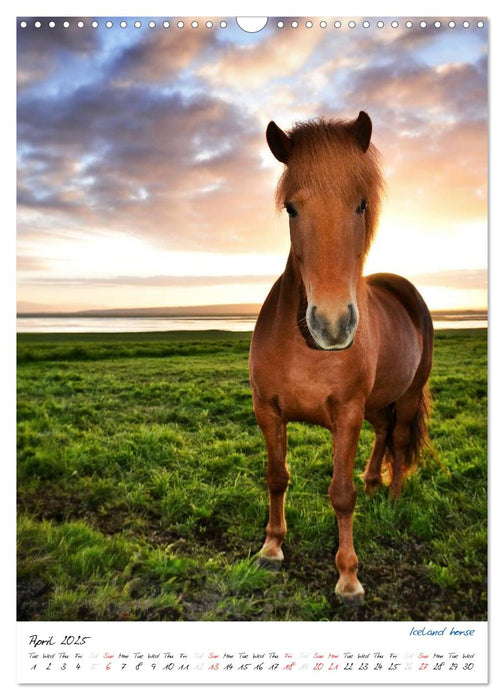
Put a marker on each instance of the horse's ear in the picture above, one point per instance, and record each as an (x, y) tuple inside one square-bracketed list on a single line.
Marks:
[(279, 143), (362, 128)]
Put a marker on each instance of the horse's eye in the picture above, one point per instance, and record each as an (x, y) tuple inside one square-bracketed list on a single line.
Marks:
[(290, 210), (362, 207)]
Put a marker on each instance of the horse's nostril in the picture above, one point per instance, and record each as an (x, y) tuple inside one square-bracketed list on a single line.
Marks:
[(314, 322), (351, 318), (319, 322)]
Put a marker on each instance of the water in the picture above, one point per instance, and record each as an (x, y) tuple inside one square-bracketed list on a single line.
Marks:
[(143, 324), (133, 325)]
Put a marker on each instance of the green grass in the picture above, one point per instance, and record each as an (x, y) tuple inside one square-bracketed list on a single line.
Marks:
[(141, 490)]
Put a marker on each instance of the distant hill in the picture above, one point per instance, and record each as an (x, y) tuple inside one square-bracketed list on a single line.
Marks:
[(460, 315), (162, 311), (33, 308)]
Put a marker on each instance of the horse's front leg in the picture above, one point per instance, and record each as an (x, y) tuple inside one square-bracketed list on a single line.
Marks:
[(346, 430), (274, 430)]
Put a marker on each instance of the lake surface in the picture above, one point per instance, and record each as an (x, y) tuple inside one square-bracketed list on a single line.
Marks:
[(142, 324)]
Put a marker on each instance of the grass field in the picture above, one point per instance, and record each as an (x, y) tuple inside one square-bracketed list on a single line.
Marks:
[(142, 495)]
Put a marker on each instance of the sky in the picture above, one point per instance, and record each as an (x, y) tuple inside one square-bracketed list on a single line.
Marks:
[(145, 180)]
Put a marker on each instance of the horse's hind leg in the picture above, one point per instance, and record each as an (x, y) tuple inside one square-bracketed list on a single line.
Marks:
[(275, 435), (381, 422)]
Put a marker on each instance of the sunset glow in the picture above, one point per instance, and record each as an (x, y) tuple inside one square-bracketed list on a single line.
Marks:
[(145, 180)]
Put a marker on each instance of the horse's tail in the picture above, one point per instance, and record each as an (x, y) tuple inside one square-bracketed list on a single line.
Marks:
[(419, 436)]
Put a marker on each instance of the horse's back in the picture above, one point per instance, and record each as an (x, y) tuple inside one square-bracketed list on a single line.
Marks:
[(408, 295)]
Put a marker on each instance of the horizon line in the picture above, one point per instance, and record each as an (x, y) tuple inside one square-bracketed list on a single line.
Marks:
[(247, 309)]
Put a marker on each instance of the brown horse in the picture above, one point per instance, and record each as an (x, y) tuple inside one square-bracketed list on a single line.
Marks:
[(330, 346)]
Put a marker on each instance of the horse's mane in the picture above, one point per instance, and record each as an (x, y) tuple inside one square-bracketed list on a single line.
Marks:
[(325, 158)]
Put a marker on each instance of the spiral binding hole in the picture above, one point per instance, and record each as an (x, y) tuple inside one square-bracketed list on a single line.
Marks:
[(295, 24)]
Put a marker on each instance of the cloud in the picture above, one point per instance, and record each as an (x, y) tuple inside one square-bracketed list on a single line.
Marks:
[(458, 279), (453, 89), (438, 173), (40, 50), (161, 55), (182, 170), (27, 263), (157, 281), (282, 53), (33, 42)]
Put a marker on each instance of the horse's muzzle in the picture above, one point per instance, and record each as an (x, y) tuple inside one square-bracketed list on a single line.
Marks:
[(332, 333)]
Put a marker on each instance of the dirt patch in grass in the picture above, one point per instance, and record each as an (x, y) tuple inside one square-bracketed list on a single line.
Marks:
[(32, 596), (51, 502)]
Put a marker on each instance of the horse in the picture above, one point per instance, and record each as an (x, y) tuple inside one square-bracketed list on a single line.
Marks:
[(332, 347)]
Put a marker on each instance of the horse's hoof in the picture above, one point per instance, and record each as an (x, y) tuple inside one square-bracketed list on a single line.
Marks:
[(269, 563), (395, 492), (353, 601), (372, 487), (350, 596)]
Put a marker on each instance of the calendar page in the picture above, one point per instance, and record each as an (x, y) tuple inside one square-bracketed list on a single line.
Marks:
[(252, 349)]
